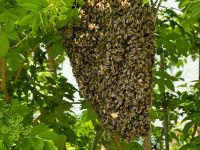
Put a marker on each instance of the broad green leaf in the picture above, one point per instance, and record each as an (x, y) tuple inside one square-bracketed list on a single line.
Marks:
[(2, 147), (26, 144), (38, 129), (60, 142), (49, 146), (14, 60), (48, 135), (44, 21), (164, 74), (69, 3), (36, 24), (161, 85), (13, 36), (37, 143), (189, 146), (27, 19), (169, 84), (4, 44), (57, 48), (80, 2), (29, 6), (18, 108)]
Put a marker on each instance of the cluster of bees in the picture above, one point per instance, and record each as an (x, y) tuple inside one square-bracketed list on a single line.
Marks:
[(111, 50)]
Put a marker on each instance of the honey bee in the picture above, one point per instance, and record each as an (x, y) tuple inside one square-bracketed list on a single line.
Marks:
[(111, 49)]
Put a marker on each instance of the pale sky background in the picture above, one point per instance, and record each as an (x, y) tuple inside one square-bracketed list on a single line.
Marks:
[(190, 70)]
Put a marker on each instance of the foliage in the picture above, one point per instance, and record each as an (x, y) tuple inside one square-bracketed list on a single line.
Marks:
[(36, 100)]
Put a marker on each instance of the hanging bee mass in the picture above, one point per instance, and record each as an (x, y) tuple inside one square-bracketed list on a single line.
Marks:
[(111, 49)]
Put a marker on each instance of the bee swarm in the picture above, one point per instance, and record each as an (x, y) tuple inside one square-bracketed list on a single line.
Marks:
[(111, 50)]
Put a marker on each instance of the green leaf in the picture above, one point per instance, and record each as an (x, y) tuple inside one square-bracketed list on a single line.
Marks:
[(14, 60), (49, 146), (4, 44), (60, 142), (57, 48), (38, 129), (2, 103), (169, 84), (29, 6), (27, 19), (26, 144), (189, 146), (18, 108), (2, 147), (145, 2), (186, 129), (48, 135), (160, 84), (13, 36), (36, 24), (38, 144)]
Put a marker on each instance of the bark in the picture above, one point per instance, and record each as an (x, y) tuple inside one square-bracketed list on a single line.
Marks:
[(147, 142), (3, 80), (165, 109)]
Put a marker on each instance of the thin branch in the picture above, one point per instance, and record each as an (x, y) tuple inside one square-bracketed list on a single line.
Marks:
[(194, 131), (157, 9), (152, 3), (155, 3), (22, 65), (16, 45), (97, 136), (3, 80)]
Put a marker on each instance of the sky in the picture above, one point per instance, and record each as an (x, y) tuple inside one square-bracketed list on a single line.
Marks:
[(190, 70)]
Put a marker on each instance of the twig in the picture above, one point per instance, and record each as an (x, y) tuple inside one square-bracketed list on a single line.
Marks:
[(21, 66), (157, 9), (194, 131), (16, 45), (3, 80), (151, 2)]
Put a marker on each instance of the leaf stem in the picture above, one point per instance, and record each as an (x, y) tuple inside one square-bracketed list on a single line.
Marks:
[(16, 45)]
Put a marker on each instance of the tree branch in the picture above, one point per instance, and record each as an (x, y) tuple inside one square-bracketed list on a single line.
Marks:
[(97, 136), (165, 108), (194, 131), (3, 80), (147, 142), (26, 37)]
